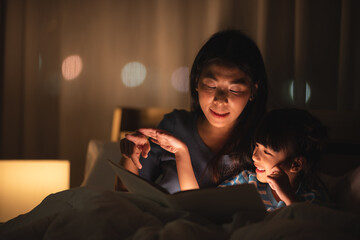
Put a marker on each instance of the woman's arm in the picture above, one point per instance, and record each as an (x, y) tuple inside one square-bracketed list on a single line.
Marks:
[(185, 170), (170, 143)]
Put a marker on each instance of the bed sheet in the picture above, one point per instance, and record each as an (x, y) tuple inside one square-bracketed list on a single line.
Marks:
[(92, 213)]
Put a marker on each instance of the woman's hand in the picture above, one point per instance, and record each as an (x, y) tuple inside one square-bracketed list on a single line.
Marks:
[(164, 140), (187, 179), (133, 145), (279, 182)]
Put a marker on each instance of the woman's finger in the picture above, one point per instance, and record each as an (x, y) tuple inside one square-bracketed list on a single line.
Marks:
[(138, 139), (124, 147), (156, 135), (145, 149), (135, 156), (149, 132), (155, 141), (136, 162), (130, 151)]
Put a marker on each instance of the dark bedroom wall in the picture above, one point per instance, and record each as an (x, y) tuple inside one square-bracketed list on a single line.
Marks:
[(2, 47), (47, 111)]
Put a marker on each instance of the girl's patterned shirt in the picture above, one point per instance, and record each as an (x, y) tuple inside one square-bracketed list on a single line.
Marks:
[(265, 192)]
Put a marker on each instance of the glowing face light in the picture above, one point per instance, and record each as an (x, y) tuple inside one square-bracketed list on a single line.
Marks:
[(223, 94), (71, 67), (133, 74), (307, 91), (180, 79)]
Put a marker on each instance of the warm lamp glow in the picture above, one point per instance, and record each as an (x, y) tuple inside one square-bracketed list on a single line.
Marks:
[(25, 183)]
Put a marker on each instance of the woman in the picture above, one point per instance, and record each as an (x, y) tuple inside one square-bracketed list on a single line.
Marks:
[(228, 87)]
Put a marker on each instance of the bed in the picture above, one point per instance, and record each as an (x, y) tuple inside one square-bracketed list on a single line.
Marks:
[(95, 211)]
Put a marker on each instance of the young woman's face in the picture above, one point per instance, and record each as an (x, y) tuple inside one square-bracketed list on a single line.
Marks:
[(223, 94), (265, 158)]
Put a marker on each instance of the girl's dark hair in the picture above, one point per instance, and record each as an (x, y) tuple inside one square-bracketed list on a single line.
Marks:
[(235, 49), (298, 133)]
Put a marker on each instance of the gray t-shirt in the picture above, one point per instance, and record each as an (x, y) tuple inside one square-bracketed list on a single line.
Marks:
[(160, 165)]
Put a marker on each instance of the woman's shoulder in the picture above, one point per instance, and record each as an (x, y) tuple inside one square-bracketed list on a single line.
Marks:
[(177, 119), (179, 114)]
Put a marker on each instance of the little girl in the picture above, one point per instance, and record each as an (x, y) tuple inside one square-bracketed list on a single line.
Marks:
[(287, 148)]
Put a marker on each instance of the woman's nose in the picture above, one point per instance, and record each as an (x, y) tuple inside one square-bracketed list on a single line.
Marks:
[(221, 95)]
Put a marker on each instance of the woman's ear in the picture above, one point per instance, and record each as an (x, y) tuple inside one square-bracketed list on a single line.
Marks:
[(297, 164), (254, 92)]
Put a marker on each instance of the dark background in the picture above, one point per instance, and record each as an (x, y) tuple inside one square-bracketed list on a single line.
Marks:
[(311, 47)]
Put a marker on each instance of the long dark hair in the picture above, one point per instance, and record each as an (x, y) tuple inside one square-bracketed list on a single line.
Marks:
[(298, 133), (233, 48)]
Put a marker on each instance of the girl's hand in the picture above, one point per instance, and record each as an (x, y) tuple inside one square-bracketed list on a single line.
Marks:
[(164, 140), (279, 182), (133, 145)]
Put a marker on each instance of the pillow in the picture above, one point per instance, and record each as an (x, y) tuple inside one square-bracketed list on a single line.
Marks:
[(345, 190), (98, 172)]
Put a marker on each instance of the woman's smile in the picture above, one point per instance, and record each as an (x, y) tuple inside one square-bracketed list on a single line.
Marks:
[(223, 94), (220, 114)]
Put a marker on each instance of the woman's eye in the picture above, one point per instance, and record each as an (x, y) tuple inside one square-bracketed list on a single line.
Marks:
[(238, 89), (236, 92), (210, 87)]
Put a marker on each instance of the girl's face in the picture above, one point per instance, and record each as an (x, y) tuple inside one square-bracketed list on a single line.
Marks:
[(223, 94), (265, 159)]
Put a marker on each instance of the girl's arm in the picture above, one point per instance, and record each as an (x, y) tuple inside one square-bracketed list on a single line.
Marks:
[(170, 143)]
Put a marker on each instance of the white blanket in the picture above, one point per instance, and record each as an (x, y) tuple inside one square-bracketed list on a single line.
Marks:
[(91, 213)]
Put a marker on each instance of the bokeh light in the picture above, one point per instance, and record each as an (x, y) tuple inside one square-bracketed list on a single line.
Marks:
[(133, 74), (180, 79), (72, 67), (307, 91), (291, 90)]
